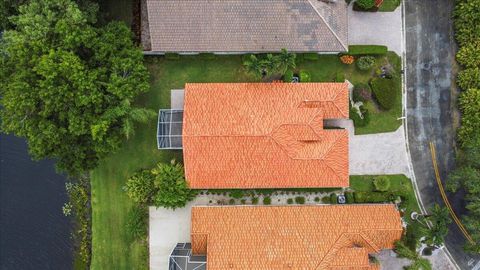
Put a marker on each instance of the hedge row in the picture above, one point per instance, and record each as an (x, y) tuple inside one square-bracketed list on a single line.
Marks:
[(367, 49), (385, 92)]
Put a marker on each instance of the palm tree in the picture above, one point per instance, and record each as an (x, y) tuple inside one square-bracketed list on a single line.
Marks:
[(286, 61), (439, 218), (418, 263), (255, 66)]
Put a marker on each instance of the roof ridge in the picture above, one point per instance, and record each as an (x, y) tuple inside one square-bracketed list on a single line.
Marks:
[(328, 25)]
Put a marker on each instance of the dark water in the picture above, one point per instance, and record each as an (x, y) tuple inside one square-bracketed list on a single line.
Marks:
[(34, 234)]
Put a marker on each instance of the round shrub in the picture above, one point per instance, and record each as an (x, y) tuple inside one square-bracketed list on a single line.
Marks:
[(289, 200), (317, 199), (381, 183), (365, 4), (267, 200), (304, 76), (255, 200), (236, 193), (231, 201), (365, 62), (349, 197), (300, 200), (362, 92), (140, 187), (288, 76), (385, 92), (333, 198)]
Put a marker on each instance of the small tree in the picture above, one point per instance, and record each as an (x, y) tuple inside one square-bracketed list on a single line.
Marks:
[(381, 183), (255, 66), (140, 187), (173, 191), (286, 61)]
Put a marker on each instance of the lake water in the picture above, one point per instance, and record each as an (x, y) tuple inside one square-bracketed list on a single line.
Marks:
[(34, 233)]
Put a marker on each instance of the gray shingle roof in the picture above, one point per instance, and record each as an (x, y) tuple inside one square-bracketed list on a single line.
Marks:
[(247, 25)]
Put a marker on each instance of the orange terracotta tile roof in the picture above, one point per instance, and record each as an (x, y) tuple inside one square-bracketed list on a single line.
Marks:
[(264, 135), (293, 237)]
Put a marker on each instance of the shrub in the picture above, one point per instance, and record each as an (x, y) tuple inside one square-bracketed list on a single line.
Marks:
[(255, 200), (300, 200), (469, 55), (365, 62), (172, 56), (207, 56), (340, 77), (469, 105), (137, 222), (243, 201), (231, 201), (267, 200), (347, 59), (311, 56), (140, 187), (289, 200), (357, 120), (236, 193), (173, 190), (349, 197), (469, 78), (304, 76), (333, 198), (288, 76), (381, 183), (362, 92), (317, 199), (367, 49), (427, 251), (365, 4), (385, 92)]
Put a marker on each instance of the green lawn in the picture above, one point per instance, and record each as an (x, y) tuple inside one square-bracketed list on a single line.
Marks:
[(326, 68), (112, 248), (389, 5), (398, 183)]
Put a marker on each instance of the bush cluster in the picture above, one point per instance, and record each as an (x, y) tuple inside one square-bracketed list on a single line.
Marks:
[(385, 92), (365, 4), (288, 76), (365, 62), (362, 92), (347, 59), (164, 186), (300, 200), (267, 200)]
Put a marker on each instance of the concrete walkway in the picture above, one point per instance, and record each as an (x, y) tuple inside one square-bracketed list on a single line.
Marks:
[(376, 28)]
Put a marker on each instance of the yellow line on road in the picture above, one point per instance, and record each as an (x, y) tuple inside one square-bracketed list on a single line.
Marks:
[(444, 196)]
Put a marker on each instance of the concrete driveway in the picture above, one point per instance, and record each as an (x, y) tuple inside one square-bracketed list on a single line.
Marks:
[(378, 28), (166, 229)]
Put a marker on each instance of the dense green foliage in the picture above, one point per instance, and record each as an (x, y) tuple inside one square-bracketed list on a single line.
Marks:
[(439, 218), (270, 64), (67, 87), (365, 62), (267, 200), (300, 200), (359, 121), (288, 76), (418, 263), (137, 222), (384, 90), (173, 191), (362, 92), (365, 4), (79, 206), (467, 174), (367, 49), (140, 187)]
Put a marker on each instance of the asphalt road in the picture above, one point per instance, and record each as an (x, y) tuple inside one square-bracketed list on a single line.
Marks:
[(431, 113)]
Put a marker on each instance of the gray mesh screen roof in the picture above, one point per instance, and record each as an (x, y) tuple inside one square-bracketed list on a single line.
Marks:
[(182, 259), (169, 129)]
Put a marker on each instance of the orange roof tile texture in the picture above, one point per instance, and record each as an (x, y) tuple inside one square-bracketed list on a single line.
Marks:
[(264, 135), (293, 237)]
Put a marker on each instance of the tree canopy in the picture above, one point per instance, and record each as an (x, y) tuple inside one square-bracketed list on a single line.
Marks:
[(67, 86)]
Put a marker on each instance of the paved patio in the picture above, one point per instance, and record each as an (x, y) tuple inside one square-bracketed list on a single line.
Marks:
[(376, 28)]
